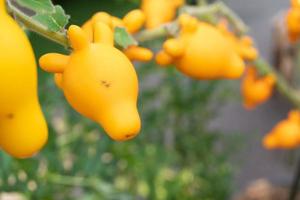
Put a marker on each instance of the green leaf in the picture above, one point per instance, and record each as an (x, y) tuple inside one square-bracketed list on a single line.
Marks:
[(55, 21), (123, 39), (60, 16), (39, 6)]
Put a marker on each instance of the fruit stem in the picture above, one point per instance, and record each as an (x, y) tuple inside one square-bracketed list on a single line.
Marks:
[(29, 23), (284, 88), (201, 12), (220, 8), (155, 33)]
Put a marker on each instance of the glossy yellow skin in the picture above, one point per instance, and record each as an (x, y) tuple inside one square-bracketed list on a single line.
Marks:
[(98, 81), (244, 45), (201, 52), (23, 130), (286, 134), (256, 90), (132, 21), (159, 12)]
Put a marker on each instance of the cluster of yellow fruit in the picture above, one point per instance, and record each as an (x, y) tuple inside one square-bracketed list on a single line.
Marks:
[(293, 21), (286, 134), (132, 22), (203, 51), (100, 82)]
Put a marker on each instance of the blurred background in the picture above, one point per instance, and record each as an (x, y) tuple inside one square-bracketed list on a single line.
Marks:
[(197, 141)]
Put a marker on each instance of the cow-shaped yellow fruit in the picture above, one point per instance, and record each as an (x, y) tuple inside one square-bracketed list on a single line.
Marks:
[(23, 130), (201, 52), (286, 134), (99, 81), (256, 90), (159, 12), (133, 22)]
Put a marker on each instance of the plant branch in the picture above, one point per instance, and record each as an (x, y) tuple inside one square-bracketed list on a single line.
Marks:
[(29, 23), (284, 88), (201, 12), (217, 8), (155, 33)]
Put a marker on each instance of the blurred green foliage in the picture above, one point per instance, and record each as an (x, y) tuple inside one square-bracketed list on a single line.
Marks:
[(175, 156)]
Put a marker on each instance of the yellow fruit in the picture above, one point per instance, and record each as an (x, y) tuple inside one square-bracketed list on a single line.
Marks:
[(256, 90), (133, 22), (243, 45), (159, 12), (286, 134), (138, 53), (23, 130), (99, 81), (293, 24), (295, 3), (201, 52)]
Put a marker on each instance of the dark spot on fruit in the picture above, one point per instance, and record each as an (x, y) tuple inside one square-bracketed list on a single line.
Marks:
[(10, 115), (105, 84), (129, 135)]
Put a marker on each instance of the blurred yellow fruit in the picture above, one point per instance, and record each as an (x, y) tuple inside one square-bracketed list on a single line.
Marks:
[(201, 51), (286, 134), (256, 90), (159, 12)]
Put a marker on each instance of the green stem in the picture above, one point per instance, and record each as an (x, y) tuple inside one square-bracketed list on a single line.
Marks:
[(217, 8), (29, 23), (284, 88), (156, 33), (201, 12)]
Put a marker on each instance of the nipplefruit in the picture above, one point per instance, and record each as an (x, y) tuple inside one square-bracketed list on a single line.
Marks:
[(256, 90), (286, 134), (201, 51), (98, 80), (293, 21), (133, 22), (159, 12), (23, 130)]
